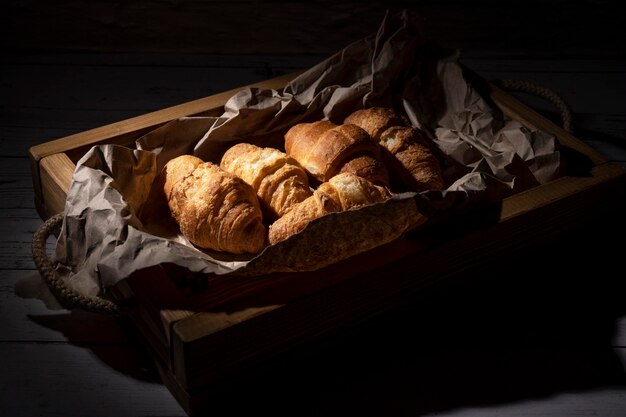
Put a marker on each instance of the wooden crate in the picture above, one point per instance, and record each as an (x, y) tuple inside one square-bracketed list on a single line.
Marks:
[(203, 330)]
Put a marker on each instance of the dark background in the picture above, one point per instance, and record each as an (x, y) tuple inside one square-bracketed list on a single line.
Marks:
[(511, 340), (550, 29)]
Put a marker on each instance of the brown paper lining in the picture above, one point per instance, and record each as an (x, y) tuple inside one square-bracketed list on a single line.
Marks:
[(115, 226)]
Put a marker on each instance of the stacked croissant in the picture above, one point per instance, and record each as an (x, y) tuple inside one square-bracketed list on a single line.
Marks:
[(258, 196)]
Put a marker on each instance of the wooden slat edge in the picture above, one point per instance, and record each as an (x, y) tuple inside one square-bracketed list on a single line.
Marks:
[(56, 176), (558, 189), (205, 323), (99, 134), (517, 110), (139, 123)]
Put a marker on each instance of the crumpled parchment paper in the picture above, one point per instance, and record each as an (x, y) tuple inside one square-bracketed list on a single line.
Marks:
[(114, 223)]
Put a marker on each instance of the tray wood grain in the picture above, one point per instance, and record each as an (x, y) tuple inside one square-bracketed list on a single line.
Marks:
[(53, 162), (202, 329)]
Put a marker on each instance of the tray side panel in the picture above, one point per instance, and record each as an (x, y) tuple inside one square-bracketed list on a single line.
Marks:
[(528, 220), (56, 172)]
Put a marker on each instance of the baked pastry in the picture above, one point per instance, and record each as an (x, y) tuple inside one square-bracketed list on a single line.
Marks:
[(325, 150), (173, 173), (406, 150), (278, 179), (375, 120), (344, 191), (214, 208)]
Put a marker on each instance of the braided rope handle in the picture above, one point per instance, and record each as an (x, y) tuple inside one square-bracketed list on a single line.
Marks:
[(71, 299), (540, 91), (68, 297)]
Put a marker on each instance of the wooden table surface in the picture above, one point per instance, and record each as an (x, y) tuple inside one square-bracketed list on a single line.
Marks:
[(547, 341)]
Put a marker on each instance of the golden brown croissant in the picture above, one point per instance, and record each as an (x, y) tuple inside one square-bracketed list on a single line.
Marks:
[(325, 150), (214, 209), (342, 192), (278, 179), (407, 152)]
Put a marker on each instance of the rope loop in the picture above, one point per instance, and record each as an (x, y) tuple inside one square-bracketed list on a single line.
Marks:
[(543, 92), (68, 297)]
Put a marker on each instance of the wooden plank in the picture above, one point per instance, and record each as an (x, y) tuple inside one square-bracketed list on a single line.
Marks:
[(56, 172), (18, 217), (318, 27), (604, 132), (147, 121), (16, 184), (140, 88), (261, 64), (15, 246), (609, 175), (73, 380), (29, 319), (15, 141), (113, 89)]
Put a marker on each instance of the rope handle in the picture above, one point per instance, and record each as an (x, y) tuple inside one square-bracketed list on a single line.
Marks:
[(69, 298), (543, 92), (66, 296)]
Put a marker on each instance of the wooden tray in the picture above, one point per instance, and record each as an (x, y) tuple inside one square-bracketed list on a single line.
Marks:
[(204, 330)]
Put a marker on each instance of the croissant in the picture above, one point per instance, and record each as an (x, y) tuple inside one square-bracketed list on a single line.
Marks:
[(325, 149), (344, 191), (214, 208), (278, 179), (406, 151)]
